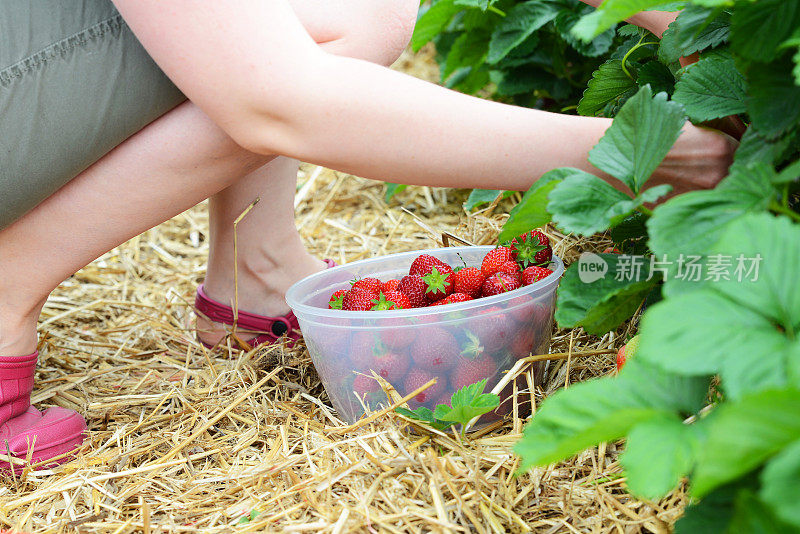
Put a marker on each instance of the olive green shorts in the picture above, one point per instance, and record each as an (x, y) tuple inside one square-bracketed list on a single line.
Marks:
[(74, 83)]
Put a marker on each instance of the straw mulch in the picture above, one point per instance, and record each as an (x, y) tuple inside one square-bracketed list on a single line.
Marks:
[(184, 440)]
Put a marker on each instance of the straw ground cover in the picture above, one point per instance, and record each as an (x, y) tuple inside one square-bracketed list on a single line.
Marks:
[(185, 440)]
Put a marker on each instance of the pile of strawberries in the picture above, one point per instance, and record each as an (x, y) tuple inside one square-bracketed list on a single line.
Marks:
[(432, 282)]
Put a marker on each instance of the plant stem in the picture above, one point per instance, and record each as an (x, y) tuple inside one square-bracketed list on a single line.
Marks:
[(629, 52), (498, 11), (645, 210), (779, 208)]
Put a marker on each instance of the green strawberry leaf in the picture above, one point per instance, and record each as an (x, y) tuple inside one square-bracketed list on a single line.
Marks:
[(600, 299), (479, 197), (658, 452), (750, 320), (520, 22), (780, 483), (531, 212), (468, 50), (431, 22), (609, 83), (755, 148), (657, 76), (584, 204), (605, 409), (641, 135), (714, 512), (467, 403), (609, 14), (742, 434), (564, 23), (752, 514), (759, 28), (424, 415), (392, 190), (696, 29), (711, 88), (774, 99)]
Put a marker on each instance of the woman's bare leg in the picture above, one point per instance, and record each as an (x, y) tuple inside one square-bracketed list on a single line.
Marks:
[(171, 165)]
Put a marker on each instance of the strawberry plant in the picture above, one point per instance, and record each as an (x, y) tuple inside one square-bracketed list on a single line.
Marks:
[(465, 404), (713, 394)]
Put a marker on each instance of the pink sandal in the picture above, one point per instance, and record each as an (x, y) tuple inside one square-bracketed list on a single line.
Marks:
[(52, 433), (268, 329)]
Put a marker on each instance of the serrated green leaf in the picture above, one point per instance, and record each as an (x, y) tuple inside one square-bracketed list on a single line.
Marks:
[(713, 513), (603, 410), (789, 174), (468, 50), (478, 197), (467, 403), (741, 435), (755, 148), (654, 193), (431, 22), (609, 82), (601, 304), (564, 22), (711, 88), (658, 452), (520, 22), (774, 99), (780, 483), (758, 28), (584, 204), (641, 135), (696, 29), (657, 76), (609, 13), (392, 190), (531, 212), (483, 5), (426, 416), (691, 223)]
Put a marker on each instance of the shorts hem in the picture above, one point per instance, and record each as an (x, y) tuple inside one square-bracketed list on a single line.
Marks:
[(60, 48)]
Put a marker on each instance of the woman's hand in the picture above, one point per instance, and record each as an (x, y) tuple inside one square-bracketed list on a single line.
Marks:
[(699, 159)]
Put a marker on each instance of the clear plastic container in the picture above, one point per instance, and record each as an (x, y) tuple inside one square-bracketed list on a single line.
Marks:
[(457, 343)]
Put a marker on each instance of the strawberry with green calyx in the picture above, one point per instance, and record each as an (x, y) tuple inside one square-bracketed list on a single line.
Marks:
[(435, 350), (414, 287), (393, 300), (534, 273), (358, 299), (532, 248), (468, 280), (439, 282), (495, 260), (499, 283), (373, 285), (510, 267), (627, 351), (336, 300), (423, 264)]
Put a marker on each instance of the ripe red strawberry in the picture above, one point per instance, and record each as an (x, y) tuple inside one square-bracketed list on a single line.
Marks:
[(457, 297), (414, 287), (358, 299), (611, 250), (392, 300), (471, 370), (335, 302), (390, 285), (373, 285), (439, 282), (534, 273), (495, 260), (532, 248), (522, 342), (418, 378), (469, 281), (391, 366), (510, 267), (499, 283), (627, 351), (423, 264), (435, 350)]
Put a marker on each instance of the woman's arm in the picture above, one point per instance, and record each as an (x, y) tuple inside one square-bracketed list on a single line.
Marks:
[(655, 22), (253, 69)]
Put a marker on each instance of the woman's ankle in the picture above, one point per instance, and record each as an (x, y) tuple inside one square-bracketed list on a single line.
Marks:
[(18, 322)]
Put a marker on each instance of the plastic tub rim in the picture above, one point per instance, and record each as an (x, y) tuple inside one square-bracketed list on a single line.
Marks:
[(307, 310)]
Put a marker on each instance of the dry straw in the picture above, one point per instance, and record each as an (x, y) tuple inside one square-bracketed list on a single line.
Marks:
[(185, 440)]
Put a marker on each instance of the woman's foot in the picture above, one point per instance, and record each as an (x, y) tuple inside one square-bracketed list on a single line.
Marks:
[(262, 291)]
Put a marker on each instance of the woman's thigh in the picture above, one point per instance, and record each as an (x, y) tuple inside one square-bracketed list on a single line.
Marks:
[(74, 83)]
